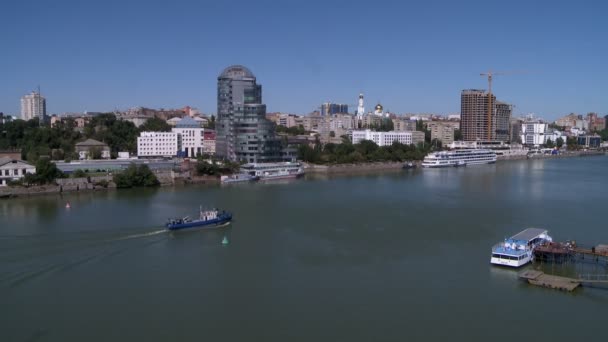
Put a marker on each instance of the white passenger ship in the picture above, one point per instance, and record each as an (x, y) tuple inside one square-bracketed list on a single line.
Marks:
[(459, 158), (268, 171), (517, 250)]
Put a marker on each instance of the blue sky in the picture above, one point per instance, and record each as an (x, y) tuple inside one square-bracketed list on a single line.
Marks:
[(412, 56)]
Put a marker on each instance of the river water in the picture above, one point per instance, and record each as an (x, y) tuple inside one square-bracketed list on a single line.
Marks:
[(386, 257)]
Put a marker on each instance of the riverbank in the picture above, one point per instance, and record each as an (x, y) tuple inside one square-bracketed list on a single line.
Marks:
[(382, 166), (172, 178), (567, 154), (98, 183)]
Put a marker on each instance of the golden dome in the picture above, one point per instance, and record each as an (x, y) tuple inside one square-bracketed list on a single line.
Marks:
[(379, 107)]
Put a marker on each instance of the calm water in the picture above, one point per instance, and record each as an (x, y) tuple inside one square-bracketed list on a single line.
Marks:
[(388, 257)]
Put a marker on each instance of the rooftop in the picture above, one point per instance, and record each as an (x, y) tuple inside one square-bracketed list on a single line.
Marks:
[(236, 72), (529, 234), (91, 142)]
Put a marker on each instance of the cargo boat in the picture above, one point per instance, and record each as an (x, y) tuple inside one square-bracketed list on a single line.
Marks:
[(207, 219)]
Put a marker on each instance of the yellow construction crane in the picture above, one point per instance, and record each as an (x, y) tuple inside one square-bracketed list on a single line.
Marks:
[(490, 74)]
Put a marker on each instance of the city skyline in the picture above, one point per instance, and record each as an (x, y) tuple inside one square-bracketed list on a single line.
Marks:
[(412, 58)]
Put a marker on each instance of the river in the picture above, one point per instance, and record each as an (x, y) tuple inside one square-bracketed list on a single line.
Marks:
[(391, 256)]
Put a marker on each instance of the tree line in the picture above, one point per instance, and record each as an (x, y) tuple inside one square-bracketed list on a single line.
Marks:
[(58, 142), (364, 151)]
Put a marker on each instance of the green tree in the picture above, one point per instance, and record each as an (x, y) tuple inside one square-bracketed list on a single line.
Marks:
[(46, 172), (457, 135), (155, 125), (559, 142), (95, 152), (136, 176), (79, 173), (549, 143), (211, 122), (572, 143)]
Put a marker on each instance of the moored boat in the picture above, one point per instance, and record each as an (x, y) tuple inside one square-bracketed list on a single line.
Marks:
[(459, 158), (270, 171), (518, 250), (207, 219), (238, 178)]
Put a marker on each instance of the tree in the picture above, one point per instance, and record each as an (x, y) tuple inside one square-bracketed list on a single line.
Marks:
[(549, 143), (95, 152), (211, 122), (46, 172), (79, 173), (136, 176), (572, 143), (155, 125), (457, 135), (559, 142)]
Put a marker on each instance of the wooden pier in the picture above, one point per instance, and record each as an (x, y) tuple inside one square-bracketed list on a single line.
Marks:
[(539, 278)]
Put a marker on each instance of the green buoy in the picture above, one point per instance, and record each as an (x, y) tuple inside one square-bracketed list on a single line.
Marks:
[(225, 241)]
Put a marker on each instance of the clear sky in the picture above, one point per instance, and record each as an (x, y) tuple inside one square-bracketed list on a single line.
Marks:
[(412, 56)]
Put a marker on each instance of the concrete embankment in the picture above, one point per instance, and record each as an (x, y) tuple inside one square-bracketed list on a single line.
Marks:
[(97, 183), (553, 156)]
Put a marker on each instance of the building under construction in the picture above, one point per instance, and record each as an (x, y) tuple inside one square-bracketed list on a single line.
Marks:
[(477, 122)]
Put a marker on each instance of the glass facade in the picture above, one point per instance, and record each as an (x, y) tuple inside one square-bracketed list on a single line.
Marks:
[(243, 132)]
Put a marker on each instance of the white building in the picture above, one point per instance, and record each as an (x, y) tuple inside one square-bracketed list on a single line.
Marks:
[(191, 137), (536, 133), (360, 108), (186, 139), (33, 106), (13, 169), (157, 144), (387, 138)]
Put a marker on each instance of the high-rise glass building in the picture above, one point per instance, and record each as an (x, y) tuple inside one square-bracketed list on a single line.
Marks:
[(33, 106), (243, 132)]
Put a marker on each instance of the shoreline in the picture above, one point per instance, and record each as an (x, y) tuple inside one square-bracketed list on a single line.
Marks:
[(71, 186)]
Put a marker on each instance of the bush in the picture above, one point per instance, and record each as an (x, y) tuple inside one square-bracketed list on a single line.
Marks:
[(103, 183), (136, 176), (46, 172), (79, 173)]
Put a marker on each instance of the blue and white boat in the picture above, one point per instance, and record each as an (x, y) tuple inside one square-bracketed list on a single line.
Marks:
[(517, 250), (207, 219)]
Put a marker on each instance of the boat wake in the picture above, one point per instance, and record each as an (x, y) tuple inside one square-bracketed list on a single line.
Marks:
[(136, 236), (30, 260)]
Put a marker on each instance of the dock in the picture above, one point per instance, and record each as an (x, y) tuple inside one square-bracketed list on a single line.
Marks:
[(539, 278)]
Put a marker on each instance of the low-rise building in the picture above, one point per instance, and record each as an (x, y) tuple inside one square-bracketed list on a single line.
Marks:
[(443, 130), (589, 141), (157, 144), (403, 124), (14, 169), (209, 141), (190, 137), (86, 149), (387, 138)]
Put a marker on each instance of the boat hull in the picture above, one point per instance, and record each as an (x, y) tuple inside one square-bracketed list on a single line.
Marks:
[(510, 262), (290, 176), (200, 224)]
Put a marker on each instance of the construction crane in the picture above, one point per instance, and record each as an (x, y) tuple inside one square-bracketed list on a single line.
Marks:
[(490, 74)]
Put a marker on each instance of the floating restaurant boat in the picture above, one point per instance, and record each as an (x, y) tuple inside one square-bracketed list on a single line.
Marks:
[(459, 158), (238, 178), (207, 219), (517, 250), (269, 171)]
